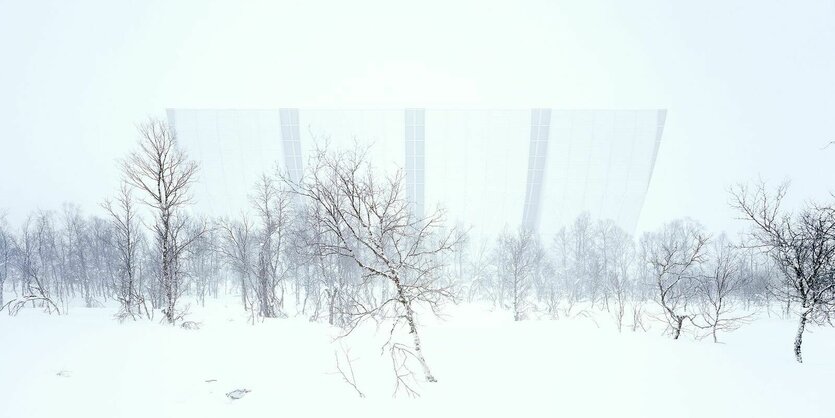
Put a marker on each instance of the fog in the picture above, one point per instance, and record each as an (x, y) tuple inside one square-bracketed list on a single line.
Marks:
[(748, 86), (503, 208)]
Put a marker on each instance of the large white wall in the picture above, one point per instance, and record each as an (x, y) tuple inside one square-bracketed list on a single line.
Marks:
[(476, 161), (382, 131), (599, 162), (476, 166), (234, 148)]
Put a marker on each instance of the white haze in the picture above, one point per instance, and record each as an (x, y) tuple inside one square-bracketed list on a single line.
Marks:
[(749, 85)]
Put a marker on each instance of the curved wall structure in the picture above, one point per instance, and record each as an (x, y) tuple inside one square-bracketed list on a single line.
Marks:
[(490, 169)]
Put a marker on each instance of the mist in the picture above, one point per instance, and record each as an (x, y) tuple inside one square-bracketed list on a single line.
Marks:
[(687, 179)]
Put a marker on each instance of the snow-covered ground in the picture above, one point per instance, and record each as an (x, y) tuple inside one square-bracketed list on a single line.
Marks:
[(85, 364)]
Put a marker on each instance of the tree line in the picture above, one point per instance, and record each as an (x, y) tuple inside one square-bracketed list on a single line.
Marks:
[(343, 245)]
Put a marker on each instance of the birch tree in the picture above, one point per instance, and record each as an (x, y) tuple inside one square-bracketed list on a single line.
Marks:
[(717, 287), (125, 221), (5, 254), (369, 220), (272, 211), (34, 253), (163, 174), (237, 248), (617, 251), (674, 254), (519, 255), (801, 245)]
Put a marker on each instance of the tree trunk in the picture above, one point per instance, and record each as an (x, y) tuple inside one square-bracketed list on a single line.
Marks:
[(244, 298), (413, 330), (331, 305), (410, 318), (517, 315), (798, 339), (677, 327)]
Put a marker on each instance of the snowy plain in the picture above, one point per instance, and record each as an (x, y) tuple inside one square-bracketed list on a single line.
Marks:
[(86, 364)]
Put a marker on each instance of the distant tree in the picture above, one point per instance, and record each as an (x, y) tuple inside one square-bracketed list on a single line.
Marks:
[(256, 250), (125, 221), (584, 263), (163, 174), (237, 247), (519, 254), (718, 286), (6, 246), (102, 257), (77, 247), (271, 206), (331, 279), (674, 254), (565, 284), (642, 287), (35, 259), (483, 276), (204, 264), (802, 246), (616, 250)]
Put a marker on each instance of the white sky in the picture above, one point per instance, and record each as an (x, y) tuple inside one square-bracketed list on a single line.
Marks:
[(750, 86)]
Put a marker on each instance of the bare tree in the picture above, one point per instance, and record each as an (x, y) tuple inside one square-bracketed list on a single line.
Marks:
[(567, 278), (163, 174), (674, 254), (518, 257), (583, 259), (617, 250), (256, 250), (576, 264), (204, 264), (759, 274), (34, 256), (125, 221), (6, 246), (369, 221), (272, 210), (802, 246), (237, 248), (77, 246), (331, 279), (717, 287), (482, 274), (101, 259)]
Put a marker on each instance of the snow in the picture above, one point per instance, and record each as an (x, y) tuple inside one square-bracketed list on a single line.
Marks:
[(85, 364)]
